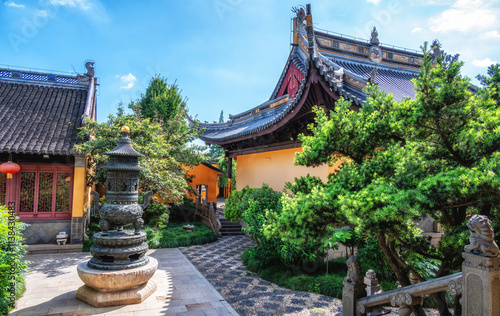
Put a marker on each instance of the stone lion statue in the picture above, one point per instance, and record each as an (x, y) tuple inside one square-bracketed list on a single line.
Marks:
[(354, 271), (481, 237)]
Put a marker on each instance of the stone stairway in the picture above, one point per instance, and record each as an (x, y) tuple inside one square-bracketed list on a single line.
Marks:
[(227, 228), (230, 229)]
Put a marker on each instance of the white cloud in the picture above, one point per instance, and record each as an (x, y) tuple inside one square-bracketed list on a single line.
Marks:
[(129, 81), (42, 13), (491, 34), (483, 62), (12, 4), (464, 16), (375, 2), (432, 2), (81, 4), (416, 30), (92, 8)]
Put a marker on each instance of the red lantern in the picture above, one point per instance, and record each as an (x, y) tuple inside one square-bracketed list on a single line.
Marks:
[(9, 168)]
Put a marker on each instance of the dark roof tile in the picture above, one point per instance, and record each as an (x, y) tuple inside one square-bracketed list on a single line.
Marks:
[(40, 118)]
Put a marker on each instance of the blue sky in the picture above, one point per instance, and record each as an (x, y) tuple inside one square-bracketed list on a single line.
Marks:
[(225, 54)]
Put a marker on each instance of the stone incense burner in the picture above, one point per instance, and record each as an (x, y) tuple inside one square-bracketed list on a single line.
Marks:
[(119, 271)]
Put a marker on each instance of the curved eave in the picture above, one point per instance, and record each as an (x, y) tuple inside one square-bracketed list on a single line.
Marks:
[(287, 113), (268, 125)]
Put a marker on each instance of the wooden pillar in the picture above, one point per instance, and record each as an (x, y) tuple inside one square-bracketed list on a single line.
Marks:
[(229, 175), (79, 192)]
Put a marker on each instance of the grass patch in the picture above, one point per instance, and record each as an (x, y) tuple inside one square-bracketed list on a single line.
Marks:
[(295, 278), (172, 237)]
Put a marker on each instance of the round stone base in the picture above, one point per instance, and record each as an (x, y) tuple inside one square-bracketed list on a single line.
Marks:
[(124, 297), (116, 280)]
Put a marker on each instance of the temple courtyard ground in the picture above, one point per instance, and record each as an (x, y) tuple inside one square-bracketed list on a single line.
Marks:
[(198, 280)]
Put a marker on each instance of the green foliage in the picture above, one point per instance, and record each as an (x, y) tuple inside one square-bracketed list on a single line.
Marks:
[(222, 179), (256, 206), (437, 155), (240, 201), (171, 236), (327, 284), (176, 236), (12, 266), (161, 102), (166, 144), (216, 152), (491, 82), (303, 185), (157, 215)]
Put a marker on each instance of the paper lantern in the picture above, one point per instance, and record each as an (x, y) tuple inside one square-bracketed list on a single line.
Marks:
[(9, 168)]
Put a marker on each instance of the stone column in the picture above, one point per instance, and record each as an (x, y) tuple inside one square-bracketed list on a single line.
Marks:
[(354, 288), (481, 270), (481, 285)]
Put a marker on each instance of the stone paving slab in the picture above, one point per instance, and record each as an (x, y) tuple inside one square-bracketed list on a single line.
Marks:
[(182, 290)]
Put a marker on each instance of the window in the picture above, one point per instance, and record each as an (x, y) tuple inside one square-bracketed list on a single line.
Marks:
[(44, 192)]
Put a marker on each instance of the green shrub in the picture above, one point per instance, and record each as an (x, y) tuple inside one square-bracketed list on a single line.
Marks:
[(12, 266), (182, 212), (255, 206), (296, 279), (156, 215), (172, 236)]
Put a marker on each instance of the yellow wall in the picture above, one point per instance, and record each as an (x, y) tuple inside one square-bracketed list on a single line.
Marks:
[(274, 168), (204, 175), (79, 191)]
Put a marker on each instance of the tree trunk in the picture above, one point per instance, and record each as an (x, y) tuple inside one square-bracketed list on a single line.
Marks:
[(440, 300), (398, 270), (393, 262)]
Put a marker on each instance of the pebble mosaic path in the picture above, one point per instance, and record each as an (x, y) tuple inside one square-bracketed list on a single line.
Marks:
[(220, 263), (249, 295)]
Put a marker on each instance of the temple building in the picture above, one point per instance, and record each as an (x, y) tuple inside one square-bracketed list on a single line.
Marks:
[(40, 114), (321, 68)]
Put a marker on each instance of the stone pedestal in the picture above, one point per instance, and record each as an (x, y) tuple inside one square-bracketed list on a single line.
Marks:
[(481, 285), (350, 294), (116, 287)]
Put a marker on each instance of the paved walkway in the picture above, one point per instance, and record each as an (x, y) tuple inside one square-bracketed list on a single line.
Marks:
[(182, 290), (220, 262)]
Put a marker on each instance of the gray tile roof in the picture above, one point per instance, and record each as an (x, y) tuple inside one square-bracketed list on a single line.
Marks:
[(344, 64), (40, 116)]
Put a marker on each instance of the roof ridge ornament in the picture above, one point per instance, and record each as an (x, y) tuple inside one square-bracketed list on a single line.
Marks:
[(374, 37), (435, 51), (375, 55), (373, 75), (300, 14)]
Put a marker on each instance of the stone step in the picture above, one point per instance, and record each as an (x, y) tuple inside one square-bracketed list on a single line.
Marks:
[(231, 226), (230, 229), (51, 248), (234, 233), (226, 222)]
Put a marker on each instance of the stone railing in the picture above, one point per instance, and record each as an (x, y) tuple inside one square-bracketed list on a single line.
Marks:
[(479, 281), (208, 214)]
